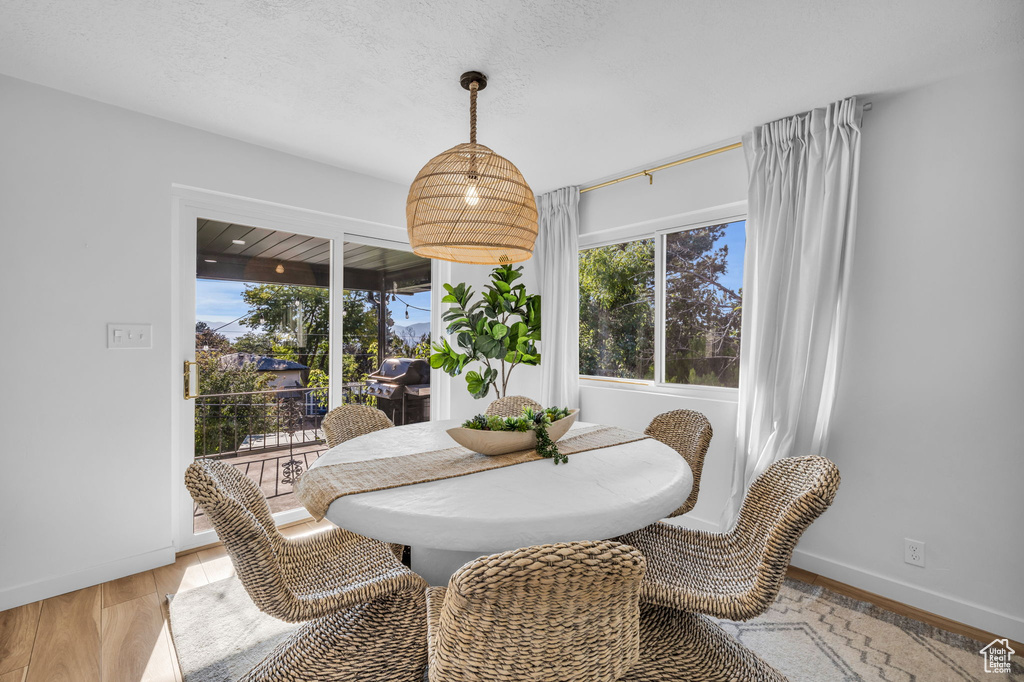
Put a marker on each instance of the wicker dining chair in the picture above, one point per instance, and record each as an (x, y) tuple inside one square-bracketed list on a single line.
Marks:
[(688, 433), (292, 579), (552, 612), (680, 646), (511, 406), (737, 575), (345, 422), (384, 640)]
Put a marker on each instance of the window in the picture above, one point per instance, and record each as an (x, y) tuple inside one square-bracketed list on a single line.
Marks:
[(703, 280), (617, 310), (696, 339)]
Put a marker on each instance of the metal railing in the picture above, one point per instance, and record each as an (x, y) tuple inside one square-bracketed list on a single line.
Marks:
[(236, 424), (271, 436)]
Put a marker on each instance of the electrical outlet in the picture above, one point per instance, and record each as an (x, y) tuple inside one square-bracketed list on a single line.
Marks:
[(913, 552)]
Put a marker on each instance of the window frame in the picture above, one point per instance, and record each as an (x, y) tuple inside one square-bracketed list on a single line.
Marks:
[(731, 214)]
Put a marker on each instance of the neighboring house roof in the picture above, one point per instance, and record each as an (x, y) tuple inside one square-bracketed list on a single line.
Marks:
[(263, 363)]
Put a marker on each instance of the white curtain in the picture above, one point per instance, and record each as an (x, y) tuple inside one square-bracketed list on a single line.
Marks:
[(557, 258), (802, 210)]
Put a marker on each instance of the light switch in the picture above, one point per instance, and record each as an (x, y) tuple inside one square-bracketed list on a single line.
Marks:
[(129, 335)]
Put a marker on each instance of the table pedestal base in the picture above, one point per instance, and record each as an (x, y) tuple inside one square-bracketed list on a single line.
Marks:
[(437, 565)]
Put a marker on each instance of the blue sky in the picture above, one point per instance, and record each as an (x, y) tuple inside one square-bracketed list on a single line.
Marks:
[(420, 300), (219, 302), (735, 239)]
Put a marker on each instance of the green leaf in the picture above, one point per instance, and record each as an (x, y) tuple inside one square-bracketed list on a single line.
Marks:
[(477, 384), (437, 360), (502, 286), (449, 299), (491, 348), (453, 327), (499, 331)]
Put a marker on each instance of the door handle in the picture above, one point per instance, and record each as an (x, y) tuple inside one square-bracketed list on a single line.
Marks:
[(189, 364)]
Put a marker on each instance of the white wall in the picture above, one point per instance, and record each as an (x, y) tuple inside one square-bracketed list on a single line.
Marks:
[(85, 214), (929, 424), (928, 431), (678, 196)]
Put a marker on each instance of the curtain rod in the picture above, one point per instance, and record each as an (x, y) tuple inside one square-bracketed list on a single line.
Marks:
[(728, 147), (648, 172)]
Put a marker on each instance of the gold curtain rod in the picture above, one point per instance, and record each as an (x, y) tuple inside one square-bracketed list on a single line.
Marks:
[(648, 172)]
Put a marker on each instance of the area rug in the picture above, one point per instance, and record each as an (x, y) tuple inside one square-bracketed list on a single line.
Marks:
[(219, 633), (812, 634)]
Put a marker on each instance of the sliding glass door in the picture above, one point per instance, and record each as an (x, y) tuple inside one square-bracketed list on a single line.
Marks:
[(279, 323), (261, 373)]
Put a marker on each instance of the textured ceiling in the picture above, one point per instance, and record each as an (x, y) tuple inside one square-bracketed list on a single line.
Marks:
[(579, 89)]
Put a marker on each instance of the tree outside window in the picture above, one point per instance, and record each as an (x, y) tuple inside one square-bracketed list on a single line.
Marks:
[(703, 307), (617, 310)]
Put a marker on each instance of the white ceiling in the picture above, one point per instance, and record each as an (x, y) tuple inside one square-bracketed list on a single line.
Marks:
[(579, 89)]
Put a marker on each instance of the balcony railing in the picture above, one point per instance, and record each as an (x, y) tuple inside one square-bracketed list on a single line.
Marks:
[(272, 437), (234, 424)]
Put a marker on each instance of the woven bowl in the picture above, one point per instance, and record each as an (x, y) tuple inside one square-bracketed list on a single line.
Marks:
[(504, 442)]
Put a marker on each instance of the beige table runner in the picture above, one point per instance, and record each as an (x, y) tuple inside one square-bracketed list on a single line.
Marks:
[(322, 485)]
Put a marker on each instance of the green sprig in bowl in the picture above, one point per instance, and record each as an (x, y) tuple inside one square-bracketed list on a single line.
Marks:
[(492, 435)]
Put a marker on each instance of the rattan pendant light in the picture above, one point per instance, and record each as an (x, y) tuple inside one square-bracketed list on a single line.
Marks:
[(470, 205)]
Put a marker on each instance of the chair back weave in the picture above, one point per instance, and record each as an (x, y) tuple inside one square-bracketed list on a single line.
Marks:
[(688, 433), (240, 515), (348, 421), (555, 612), (511, 406), (779, 506)]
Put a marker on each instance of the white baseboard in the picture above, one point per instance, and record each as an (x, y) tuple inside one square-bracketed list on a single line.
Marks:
[(26, 593), (968, 613)]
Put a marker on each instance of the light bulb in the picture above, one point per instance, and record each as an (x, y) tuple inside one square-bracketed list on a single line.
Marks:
[(472, 198)]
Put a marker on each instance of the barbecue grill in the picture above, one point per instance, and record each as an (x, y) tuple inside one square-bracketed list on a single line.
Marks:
[(402, 389)]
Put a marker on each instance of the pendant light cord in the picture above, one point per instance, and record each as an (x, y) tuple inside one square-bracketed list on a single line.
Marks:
[(473, 87)]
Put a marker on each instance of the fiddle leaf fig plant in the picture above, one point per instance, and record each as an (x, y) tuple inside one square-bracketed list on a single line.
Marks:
[(500, 331)]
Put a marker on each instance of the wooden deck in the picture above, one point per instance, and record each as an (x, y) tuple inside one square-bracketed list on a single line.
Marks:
[(272, 471)]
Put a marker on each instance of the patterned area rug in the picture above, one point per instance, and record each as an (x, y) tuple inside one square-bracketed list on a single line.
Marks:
[(812, 634)]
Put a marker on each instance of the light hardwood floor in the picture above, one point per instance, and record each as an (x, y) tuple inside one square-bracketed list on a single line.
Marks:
[(114, 632)]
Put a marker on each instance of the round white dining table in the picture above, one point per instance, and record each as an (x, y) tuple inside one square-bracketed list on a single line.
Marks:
[(598, 494)]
